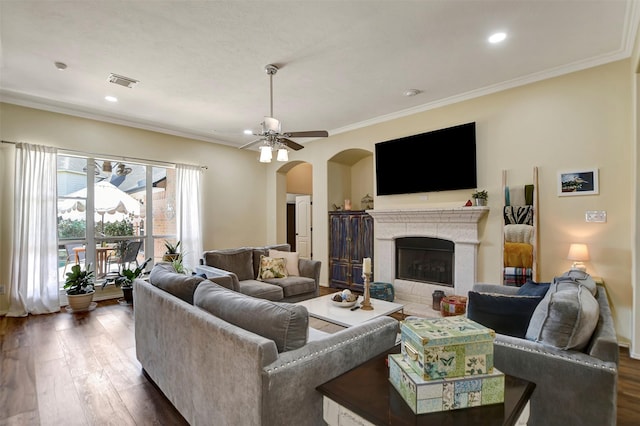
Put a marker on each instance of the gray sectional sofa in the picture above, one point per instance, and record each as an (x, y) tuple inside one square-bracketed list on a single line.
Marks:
[(575, 373), (241, 266), (233, 359)]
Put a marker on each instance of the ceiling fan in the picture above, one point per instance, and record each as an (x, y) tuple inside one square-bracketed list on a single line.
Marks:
[(271, 134)]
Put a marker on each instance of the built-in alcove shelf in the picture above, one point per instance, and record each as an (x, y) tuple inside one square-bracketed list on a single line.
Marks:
[(456, 224)]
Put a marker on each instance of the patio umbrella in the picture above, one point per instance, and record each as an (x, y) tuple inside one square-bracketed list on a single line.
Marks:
[(108, 200)]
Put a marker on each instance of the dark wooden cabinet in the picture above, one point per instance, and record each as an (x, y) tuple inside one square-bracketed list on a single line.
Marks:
[(350, 240)]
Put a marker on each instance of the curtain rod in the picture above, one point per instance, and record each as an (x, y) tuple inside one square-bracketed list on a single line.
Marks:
[(115, 157)]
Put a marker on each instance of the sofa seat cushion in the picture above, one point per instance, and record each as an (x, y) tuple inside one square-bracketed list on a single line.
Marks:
[(293, 286), (166, 278), (566, 317), (261, 290), (505, 314), (239, 261), (286, 324)]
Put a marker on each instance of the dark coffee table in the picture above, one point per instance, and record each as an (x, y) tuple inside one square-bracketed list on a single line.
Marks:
[(367, 392)]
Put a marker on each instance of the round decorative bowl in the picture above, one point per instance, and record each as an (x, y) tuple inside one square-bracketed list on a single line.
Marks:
[(344, 304)]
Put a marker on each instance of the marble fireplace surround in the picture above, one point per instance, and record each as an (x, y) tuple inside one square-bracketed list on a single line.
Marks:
[(457, 224)]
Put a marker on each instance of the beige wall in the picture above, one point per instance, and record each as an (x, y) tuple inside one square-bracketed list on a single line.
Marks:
[(635, 72), (361, 181), (233, 186), (299, 179), (579, 120)]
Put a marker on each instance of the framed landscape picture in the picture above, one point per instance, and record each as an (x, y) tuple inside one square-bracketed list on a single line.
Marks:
[(580, 182)]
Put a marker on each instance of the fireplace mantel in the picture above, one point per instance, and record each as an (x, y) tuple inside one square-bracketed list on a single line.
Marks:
[(457, 224), (433, 215)]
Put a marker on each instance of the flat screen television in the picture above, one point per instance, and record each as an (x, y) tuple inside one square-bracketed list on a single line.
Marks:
[(441, 160)]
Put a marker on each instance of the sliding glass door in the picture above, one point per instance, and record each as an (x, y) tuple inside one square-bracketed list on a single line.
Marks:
[(108, 212)]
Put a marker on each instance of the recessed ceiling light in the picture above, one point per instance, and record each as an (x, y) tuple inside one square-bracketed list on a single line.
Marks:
[(248, 132), (61, 66), (497, 37), (111, 98)]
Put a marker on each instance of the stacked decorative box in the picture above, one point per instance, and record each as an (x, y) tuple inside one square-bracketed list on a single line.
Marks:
[(446, 364)]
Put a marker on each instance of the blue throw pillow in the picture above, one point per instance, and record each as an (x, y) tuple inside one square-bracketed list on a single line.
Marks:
[(505, 314), (532, 288)]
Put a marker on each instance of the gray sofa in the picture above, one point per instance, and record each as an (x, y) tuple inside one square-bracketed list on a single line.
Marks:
[(573, 386), (214, 363), (241, 265)]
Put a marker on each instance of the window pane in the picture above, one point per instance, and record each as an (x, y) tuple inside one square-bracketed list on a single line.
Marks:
[(164, 209)]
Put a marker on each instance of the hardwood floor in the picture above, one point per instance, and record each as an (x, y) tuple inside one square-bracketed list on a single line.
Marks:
[(81, 370)]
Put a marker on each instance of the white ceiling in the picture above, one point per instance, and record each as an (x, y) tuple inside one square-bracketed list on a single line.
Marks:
[(343, 64)]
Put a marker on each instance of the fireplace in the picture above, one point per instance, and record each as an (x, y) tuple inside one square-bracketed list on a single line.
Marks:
[(457, 225), (425, 259)]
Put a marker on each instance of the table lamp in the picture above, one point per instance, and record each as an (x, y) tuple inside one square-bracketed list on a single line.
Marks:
[(578, 253)]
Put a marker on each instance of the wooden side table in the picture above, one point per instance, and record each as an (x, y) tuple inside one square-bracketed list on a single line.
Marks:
[(366, 397)]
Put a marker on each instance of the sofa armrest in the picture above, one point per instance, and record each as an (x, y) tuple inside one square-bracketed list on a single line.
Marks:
[(220, 276), (571, 387), (496, 289), (292, 379), (310, 269)]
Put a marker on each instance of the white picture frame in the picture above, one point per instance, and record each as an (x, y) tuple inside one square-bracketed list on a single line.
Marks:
[(578, 182)]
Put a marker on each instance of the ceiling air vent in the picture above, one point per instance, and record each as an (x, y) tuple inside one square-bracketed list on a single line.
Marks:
[(122, 81)]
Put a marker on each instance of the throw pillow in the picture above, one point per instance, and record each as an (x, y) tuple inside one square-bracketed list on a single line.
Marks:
[(565, 319), (532, 288), (505, 314), (287, 324), (291, 257), (271, 267)]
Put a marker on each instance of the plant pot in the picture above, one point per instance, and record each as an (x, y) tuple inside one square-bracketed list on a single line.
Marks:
[(80, 302), (128, 294), (170, 257), (481, 202)]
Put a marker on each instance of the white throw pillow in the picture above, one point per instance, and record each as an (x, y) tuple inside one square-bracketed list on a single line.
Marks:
[(291, 258)]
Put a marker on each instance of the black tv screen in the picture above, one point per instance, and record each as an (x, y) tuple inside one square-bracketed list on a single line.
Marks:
[(441, 160)]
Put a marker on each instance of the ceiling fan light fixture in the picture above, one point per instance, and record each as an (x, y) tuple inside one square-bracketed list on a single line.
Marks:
[(271, 124), (265, 154), (283, 154)]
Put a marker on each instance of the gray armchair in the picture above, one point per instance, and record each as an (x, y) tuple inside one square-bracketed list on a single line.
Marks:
[(572, 387)]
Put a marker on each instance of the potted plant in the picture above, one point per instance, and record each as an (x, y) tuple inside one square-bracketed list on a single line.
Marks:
[(172, 251), (125, 280), (178, 266), (79, 286), (480, 197)]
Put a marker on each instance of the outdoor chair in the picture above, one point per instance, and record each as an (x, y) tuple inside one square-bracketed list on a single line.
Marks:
[(71, 255), (126, 256)]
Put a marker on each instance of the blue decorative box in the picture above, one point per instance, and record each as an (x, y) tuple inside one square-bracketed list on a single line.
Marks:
[(430, 396), (439, 348), (381, 291)]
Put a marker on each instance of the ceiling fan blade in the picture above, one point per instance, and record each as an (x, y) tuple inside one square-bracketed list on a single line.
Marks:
[(291, 144), (309, 134), (247, 145)]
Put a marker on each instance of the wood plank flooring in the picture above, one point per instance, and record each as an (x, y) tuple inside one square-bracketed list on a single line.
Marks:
[(81, 369)]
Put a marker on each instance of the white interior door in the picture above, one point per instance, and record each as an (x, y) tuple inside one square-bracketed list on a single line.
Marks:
[(303, 226)]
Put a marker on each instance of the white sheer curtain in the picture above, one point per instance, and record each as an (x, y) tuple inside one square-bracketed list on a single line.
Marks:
[(34, 268), (188, 206)]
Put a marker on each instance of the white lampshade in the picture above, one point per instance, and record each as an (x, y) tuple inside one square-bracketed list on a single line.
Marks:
[(283, 154), (578, 253), (265, 154)]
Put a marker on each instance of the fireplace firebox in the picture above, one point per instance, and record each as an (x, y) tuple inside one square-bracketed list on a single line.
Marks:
[(425, 259)]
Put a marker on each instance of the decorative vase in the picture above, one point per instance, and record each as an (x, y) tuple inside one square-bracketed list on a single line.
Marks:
[(436, 299), (80, 302), (481, 201), (170, 257)]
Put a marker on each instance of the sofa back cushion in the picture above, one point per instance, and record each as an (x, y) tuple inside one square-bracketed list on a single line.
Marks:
[(285, 323), (166, 278), (239, 261)]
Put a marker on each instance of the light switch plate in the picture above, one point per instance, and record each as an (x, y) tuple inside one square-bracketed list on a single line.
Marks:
[(599, 216)]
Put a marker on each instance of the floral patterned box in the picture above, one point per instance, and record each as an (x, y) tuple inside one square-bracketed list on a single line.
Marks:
[(430, 396), (439, 348)]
